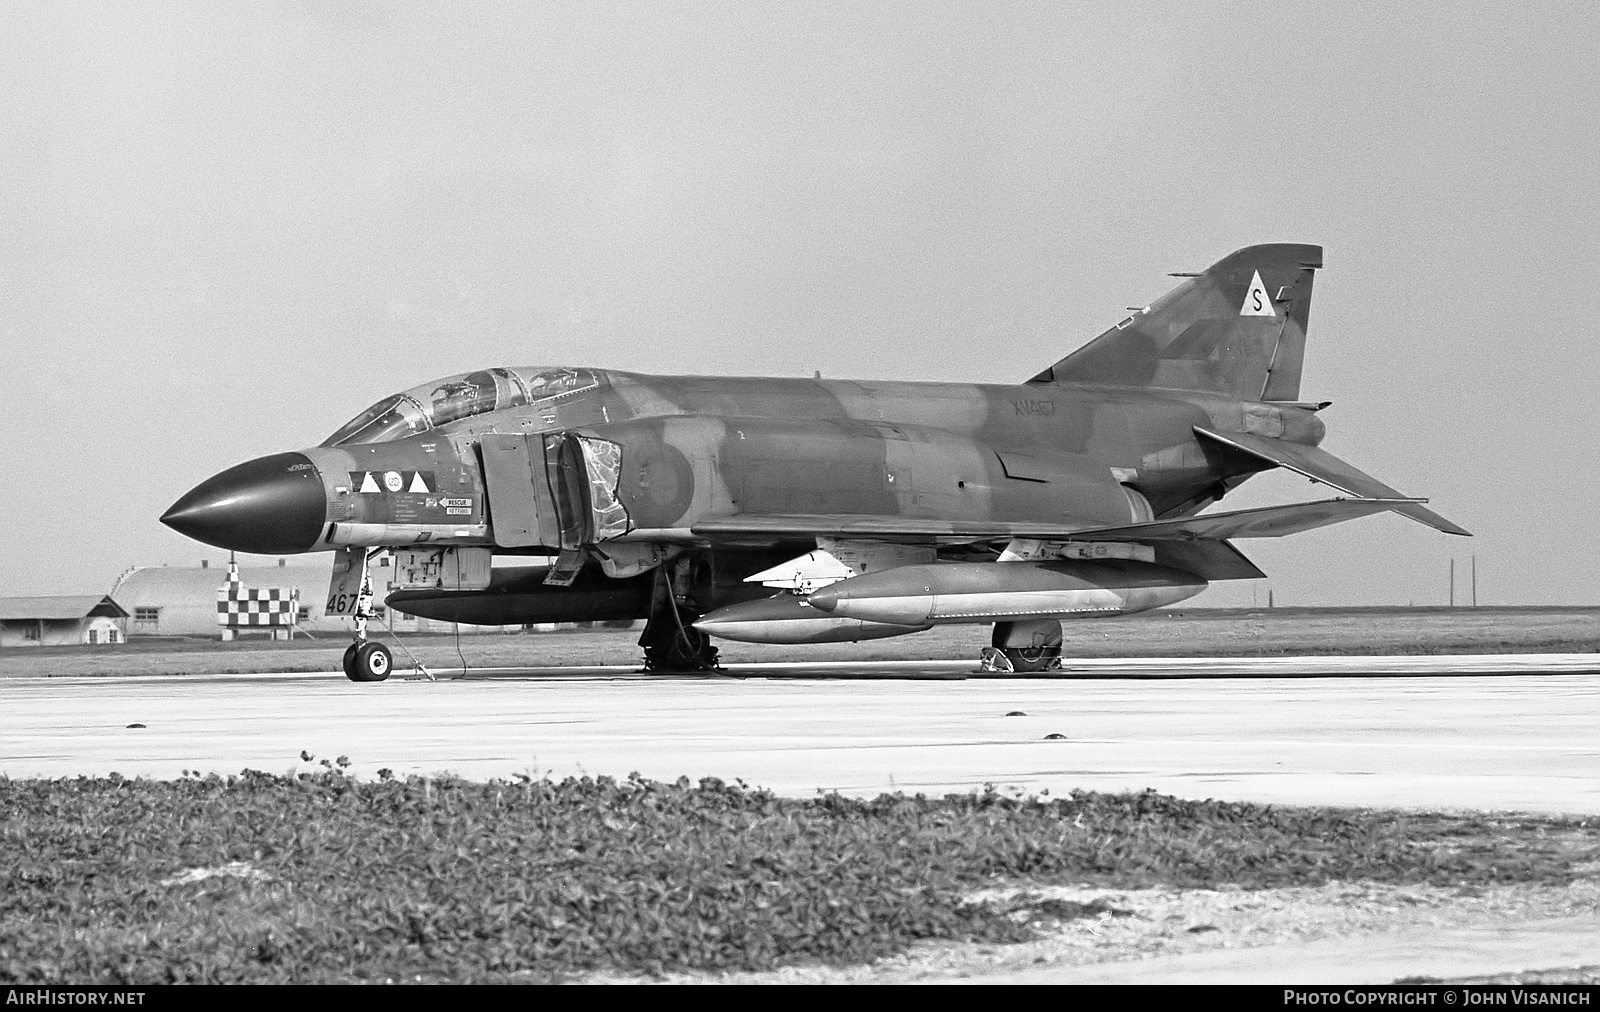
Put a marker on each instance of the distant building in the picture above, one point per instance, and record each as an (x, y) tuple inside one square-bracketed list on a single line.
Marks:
[(61, 621), (182, 600)]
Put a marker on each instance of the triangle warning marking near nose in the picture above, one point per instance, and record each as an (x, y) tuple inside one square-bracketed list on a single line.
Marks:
[(369, 484), (1256, 302), (417, 484)]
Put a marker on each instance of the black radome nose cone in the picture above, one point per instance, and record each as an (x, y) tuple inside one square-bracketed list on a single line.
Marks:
[(268, 506)]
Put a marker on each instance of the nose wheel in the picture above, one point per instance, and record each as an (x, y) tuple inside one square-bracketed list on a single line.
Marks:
[(367, 661)]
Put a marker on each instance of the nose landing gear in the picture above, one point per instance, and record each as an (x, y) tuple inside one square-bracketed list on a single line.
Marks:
[(366, 660)]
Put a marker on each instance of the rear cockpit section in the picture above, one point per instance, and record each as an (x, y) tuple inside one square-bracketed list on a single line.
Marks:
[(461, 396)]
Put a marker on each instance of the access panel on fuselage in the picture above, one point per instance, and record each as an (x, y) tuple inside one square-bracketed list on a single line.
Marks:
[(521, 507)]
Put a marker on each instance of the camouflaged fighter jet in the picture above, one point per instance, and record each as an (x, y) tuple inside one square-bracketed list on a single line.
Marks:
[(811, 510)]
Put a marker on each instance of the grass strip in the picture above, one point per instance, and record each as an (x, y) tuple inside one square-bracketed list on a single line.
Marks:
[(322, 878)]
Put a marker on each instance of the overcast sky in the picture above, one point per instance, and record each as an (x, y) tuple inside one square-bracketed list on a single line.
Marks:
[(226, 229)]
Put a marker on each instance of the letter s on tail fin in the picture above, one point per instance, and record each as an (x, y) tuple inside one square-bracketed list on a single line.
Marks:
[(1237, 328)]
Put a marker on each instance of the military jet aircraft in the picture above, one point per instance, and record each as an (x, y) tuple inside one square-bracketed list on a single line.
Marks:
[(810, 510)]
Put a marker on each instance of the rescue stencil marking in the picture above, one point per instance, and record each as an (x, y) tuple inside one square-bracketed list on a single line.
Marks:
[(1256, 302)]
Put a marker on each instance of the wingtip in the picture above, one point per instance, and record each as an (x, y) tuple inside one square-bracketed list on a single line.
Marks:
[(1429, 518)]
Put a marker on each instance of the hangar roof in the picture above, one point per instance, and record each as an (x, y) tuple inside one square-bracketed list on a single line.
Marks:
[(57, 609), (149, 585)]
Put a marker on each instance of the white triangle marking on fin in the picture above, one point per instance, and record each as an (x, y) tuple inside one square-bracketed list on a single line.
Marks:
[(368, 484), (1256, 302), (417, 484)]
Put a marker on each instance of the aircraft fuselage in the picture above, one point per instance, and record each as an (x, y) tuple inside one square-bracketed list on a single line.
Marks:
[(695, 448), (825, 510)]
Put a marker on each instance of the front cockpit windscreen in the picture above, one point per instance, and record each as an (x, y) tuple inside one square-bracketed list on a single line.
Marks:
[(456, 397), (394, 417)]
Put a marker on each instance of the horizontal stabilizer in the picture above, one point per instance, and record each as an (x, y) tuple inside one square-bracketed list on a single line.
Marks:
[(1321, 466)]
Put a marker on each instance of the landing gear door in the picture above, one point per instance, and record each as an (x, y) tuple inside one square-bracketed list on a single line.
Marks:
[(521, 506), (344, 588)]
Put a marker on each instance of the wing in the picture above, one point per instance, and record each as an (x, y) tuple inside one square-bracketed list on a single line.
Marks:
[(1264, 522), (764, 528)]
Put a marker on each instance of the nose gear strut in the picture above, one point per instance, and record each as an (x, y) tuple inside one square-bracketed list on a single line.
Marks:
[(368, 660)]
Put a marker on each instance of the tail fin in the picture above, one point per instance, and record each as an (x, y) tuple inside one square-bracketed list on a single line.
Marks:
[(1238, 328)]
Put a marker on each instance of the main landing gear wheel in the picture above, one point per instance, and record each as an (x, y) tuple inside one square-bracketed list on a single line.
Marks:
[(1029, 646), (674, 644), (670, 640), (368, 662)]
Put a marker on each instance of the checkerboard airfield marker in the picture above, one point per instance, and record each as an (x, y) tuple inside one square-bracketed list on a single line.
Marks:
[(255, 606), (241, 607)]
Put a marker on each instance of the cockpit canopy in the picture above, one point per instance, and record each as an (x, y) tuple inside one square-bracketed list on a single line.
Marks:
[(461, 396)]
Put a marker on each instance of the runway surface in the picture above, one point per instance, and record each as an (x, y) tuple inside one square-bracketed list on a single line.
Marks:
[(1501, 732)]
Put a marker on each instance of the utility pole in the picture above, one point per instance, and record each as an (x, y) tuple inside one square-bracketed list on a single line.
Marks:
[(1474, 581), (1452, 583)]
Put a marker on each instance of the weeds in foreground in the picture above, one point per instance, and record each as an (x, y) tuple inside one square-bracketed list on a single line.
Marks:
[(319, 877)]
